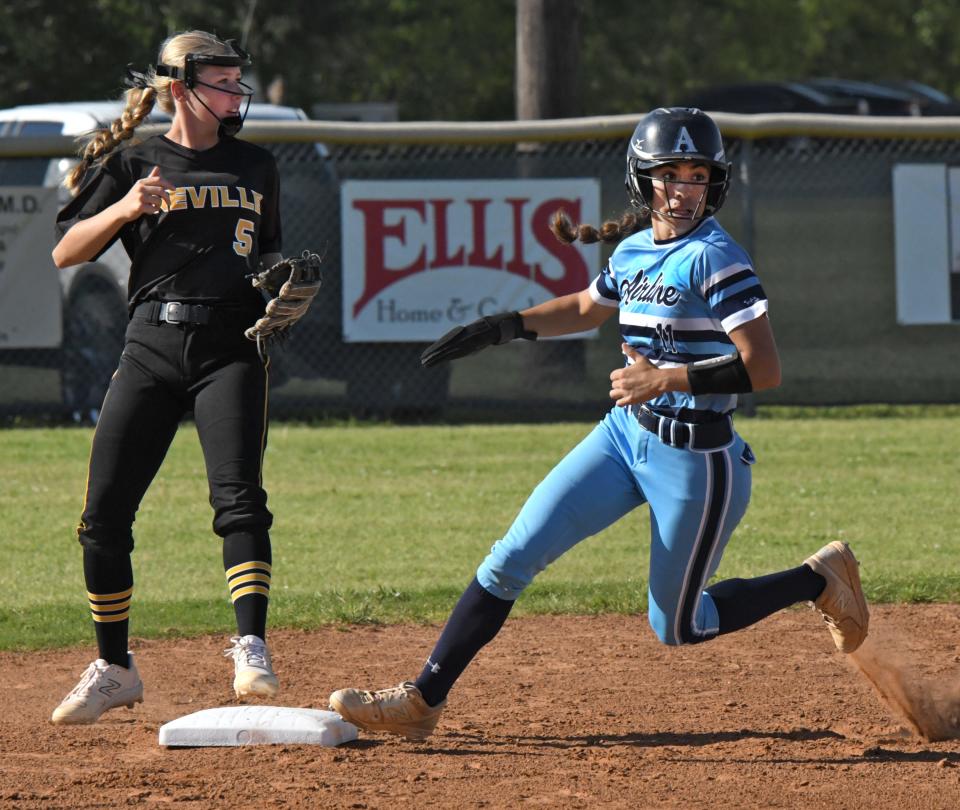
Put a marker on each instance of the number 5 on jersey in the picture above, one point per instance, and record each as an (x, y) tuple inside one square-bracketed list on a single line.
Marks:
[(243, 243)]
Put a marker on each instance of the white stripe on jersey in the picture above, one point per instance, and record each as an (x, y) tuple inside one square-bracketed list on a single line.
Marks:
[(658, 363), (685, 324), (744, 315), (720, 275), (598, 298)]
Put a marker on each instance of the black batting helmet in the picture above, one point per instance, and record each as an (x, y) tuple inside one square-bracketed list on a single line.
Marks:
[(670, 135)]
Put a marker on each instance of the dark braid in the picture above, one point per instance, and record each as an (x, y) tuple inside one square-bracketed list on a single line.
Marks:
[(611, 231)]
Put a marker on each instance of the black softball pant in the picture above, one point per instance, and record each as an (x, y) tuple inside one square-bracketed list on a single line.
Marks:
[(166, 371)]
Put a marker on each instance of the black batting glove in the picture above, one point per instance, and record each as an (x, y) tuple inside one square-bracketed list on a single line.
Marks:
[(493, 330)]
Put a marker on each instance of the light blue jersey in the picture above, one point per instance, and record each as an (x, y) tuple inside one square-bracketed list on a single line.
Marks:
[(679, 300)]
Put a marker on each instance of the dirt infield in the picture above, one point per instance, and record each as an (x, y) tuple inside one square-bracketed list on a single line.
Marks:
[(568, 712)]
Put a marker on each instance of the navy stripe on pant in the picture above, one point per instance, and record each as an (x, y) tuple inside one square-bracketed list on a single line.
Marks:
[(706, 543)]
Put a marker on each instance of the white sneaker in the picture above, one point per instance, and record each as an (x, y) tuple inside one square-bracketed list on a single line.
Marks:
[(253, 672), (102, 686)]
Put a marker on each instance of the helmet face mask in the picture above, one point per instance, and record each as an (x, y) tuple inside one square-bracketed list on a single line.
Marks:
[(188, 73), (676, 135), (230, 125)]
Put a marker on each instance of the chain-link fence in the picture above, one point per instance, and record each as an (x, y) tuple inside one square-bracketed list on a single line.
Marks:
[(814, 209)]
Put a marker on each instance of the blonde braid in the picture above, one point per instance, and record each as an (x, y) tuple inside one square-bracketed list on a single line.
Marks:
[(140, 99), (139, 103)]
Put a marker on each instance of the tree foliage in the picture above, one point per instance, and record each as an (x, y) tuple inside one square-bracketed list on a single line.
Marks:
[(649, 59), (446, 59)]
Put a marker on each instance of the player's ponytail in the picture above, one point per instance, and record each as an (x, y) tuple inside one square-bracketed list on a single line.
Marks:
[(611, 231), (139, 102), (146, 90)]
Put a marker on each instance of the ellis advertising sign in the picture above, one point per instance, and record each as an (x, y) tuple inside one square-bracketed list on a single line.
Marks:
[(420, 257)]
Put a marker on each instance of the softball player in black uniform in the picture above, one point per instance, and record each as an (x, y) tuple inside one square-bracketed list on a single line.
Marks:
[(197, 212)]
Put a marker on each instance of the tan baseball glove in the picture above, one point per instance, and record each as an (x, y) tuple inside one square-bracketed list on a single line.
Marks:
[(291, 284)]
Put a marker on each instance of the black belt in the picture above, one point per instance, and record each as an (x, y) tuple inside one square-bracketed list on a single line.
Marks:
[(176, 312), (685, 435)]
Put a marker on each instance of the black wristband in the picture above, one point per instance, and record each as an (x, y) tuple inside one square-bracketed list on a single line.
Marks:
[(719, 375), (510, 327)]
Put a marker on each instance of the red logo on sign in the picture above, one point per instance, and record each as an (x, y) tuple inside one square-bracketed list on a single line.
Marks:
[(378, 276)]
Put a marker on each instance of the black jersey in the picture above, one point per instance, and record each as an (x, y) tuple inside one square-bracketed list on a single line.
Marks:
[(223, 215)]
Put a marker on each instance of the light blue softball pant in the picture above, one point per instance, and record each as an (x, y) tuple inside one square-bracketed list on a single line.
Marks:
[(696, 501)]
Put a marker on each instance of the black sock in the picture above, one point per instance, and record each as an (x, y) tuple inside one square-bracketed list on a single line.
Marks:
[(109, 580), (247, 561), (742, 602), (475, 620)]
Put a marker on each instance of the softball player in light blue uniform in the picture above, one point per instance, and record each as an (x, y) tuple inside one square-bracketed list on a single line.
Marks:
[(693, 320), (677, 300)]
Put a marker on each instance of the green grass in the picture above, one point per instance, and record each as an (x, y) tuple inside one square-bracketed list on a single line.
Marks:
[(384, 523)]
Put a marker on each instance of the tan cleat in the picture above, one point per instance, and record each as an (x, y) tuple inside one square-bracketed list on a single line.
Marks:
[(102, 686), (400, 710), (252, 669), (842, 603)]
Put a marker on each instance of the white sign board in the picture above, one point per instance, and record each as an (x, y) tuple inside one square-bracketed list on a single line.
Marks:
[(29, 281), (926, 215), (422, 256)]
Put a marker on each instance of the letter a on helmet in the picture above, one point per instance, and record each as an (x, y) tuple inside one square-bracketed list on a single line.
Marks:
[(684, 142), (673, 135)]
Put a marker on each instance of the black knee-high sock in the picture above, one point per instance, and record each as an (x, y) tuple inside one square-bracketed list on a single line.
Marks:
[(742, 602), (475, 620), (247, 561), (109, 580)]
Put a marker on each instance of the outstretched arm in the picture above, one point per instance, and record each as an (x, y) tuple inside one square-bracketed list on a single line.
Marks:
[(567, 315)]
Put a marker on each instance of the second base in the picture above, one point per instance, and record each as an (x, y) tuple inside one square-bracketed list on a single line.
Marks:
[(257, 725)]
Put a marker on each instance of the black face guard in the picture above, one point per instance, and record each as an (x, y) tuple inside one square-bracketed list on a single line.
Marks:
[(644, 188), (231, 125), (640, 191)]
